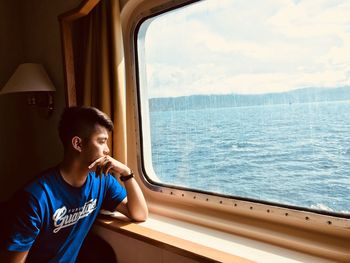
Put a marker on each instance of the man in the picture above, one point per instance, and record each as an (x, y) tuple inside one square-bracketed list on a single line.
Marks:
[(53, 214)]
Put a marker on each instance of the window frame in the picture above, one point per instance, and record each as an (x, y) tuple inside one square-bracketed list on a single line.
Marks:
[(260, 220), (145, 142)]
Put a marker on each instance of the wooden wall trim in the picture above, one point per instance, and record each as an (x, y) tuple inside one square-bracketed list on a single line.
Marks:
[(82, 10), (66, 21)]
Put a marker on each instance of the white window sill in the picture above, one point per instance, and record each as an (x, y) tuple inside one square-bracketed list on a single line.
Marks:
[(216, 243)]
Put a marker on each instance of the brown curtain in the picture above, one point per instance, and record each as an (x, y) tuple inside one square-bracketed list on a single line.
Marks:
[(99, 67)]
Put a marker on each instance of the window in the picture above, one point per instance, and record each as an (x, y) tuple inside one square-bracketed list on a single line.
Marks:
[(249, 99)]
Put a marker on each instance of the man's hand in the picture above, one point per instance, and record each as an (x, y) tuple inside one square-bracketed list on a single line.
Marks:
[(134, 205), (106, 164)]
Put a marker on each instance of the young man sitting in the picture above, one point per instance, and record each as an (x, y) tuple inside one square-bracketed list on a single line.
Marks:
[(53, 214)]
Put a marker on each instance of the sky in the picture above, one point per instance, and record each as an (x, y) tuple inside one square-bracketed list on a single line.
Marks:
[(247, 47)]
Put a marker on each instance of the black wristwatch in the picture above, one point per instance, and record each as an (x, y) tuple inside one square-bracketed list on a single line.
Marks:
[(127, 177)]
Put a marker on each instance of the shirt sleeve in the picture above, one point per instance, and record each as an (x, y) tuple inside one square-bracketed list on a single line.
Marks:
[(115, 193), (25, 224)]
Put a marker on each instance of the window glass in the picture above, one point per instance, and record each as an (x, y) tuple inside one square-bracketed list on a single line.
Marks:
[(250, 99)]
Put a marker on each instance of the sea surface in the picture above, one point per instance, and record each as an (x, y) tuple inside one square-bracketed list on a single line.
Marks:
[(294, 154)]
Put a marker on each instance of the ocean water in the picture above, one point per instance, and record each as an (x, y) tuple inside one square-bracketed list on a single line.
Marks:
[(296, 154)]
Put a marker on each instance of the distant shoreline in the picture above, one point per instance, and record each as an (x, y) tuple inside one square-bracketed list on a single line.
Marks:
[(304, 95)]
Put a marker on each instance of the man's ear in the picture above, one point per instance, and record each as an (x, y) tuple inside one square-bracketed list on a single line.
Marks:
[(76, 143)]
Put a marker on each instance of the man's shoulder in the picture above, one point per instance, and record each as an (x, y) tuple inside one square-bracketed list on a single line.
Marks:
[(44, 175), (41, 180), (32, 190)]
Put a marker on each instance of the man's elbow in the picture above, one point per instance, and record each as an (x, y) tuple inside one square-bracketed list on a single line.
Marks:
[(140, 216)]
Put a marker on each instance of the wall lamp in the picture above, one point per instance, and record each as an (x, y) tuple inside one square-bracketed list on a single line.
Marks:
[(32, 78)]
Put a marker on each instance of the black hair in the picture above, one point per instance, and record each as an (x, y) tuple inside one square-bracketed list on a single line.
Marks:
[(81, 121)]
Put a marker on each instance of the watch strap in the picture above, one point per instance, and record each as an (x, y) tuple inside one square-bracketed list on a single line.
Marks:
[(127, 177)]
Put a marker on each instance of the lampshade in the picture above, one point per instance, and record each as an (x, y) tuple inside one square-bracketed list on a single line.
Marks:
[(28, 77)]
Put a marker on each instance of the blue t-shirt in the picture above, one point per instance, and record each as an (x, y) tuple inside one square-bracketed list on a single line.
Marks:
[(52, 218)]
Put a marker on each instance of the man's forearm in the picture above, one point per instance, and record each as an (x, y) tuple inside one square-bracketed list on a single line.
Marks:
[(13, 256), (136, 203)]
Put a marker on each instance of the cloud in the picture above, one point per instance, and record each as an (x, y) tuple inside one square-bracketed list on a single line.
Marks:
[(228, 46), (309, 19), (173, 81)]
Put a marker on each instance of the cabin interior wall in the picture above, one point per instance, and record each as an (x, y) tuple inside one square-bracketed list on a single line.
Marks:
[(29, 32), (142, 252)]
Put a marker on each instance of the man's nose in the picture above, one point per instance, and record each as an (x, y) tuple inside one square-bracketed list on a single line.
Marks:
[(106, 150)]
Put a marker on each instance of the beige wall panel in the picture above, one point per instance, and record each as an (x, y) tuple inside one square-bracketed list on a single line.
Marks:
[(130, 250), (169, 257), (29, 32)]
